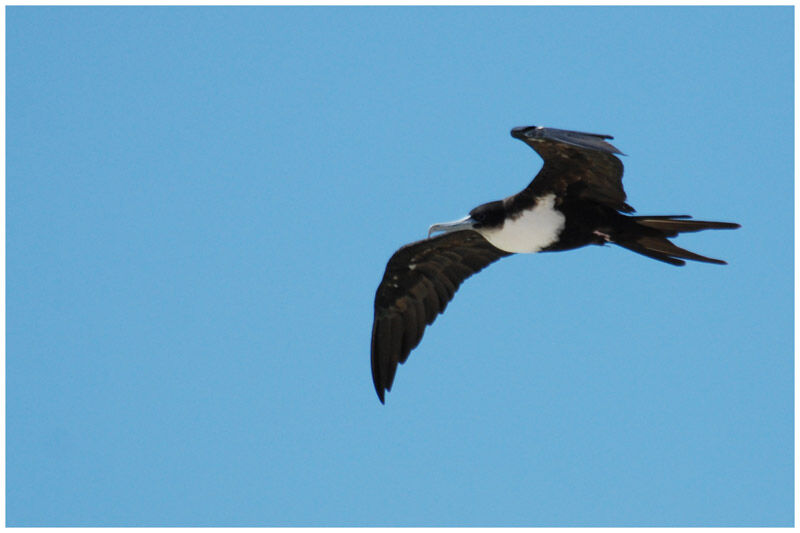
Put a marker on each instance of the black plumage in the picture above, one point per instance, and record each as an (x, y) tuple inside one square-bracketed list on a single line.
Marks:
[(420, 280), (579, 187)]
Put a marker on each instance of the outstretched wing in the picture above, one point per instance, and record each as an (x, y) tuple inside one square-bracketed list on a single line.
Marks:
[(575, 164), (420, 280)]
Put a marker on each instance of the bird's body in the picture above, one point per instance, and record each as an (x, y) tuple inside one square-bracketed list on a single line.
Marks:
[(529, 231), (576, 199)]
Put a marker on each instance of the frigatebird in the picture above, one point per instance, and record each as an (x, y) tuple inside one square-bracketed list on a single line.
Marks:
[(575, 200)]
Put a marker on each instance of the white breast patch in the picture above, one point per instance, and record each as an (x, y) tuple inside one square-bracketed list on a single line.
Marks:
[(533, 230)]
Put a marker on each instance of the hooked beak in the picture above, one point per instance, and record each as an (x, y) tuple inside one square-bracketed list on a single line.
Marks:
[(447, 227)]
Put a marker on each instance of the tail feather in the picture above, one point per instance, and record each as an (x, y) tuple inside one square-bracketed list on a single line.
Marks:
[(671, 226), (639, 249), (651, 237)]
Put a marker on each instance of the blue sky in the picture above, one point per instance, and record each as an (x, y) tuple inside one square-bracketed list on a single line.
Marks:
[(201, 203)]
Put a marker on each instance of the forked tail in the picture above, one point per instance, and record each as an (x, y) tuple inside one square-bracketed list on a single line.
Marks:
[(649, 236)]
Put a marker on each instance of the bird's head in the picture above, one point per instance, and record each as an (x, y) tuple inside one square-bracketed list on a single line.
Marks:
[(488, 215)]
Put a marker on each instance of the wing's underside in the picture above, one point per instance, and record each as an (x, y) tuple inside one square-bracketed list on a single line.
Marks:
[(420, 280)]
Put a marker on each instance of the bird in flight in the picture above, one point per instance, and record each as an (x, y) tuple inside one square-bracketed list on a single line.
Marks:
[(576, 199)]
